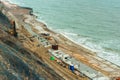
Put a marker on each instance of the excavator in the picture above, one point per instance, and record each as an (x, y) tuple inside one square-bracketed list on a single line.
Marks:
[(12, 31)]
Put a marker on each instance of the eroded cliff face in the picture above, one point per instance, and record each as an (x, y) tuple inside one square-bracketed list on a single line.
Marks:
[(15, 13), (6, 11), (4, 22), (17, 62)]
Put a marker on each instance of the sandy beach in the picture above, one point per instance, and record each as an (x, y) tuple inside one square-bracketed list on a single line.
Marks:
[(29, 32)]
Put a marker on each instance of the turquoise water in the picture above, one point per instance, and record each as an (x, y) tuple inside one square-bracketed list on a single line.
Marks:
[(92, 23)]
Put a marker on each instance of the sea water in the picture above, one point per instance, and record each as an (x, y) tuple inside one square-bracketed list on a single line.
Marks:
[(92, 23)]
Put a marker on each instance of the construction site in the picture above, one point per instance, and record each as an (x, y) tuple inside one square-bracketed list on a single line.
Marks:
[(47, 53)]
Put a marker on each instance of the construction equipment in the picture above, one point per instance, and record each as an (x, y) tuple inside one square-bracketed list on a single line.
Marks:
[(13, 30), (55, 45)]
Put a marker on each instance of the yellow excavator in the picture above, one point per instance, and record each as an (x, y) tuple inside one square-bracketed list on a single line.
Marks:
[(12, 31)]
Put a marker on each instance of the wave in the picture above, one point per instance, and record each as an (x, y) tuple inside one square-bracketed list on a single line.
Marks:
[(86, 42)]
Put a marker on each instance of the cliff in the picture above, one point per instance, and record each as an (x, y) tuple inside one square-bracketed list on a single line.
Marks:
[(16, 61)]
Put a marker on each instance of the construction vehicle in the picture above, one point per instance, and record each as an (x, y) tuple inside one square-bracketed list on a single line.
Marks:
[(12, 31)]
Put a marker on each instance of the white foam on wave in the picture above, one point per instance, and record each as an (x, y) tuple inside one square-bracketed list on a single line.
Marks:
[(11, 1), (77, 40), (110, 56), (40, 19), (84, 41), (15, 2)]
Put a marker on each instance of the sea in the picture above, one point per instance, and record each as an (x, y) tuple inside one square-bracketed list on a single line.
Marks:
[(94, 24)]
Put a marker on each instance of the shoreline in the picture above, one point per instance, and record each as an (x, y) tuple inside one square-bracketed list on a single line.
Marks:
[(87, 48), (61, 39), (75, 44), (47, 28), (92, 50)]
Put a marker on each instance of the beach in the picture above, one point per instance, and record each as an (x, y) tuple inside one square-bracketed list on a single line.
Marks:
[(29, 35)]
